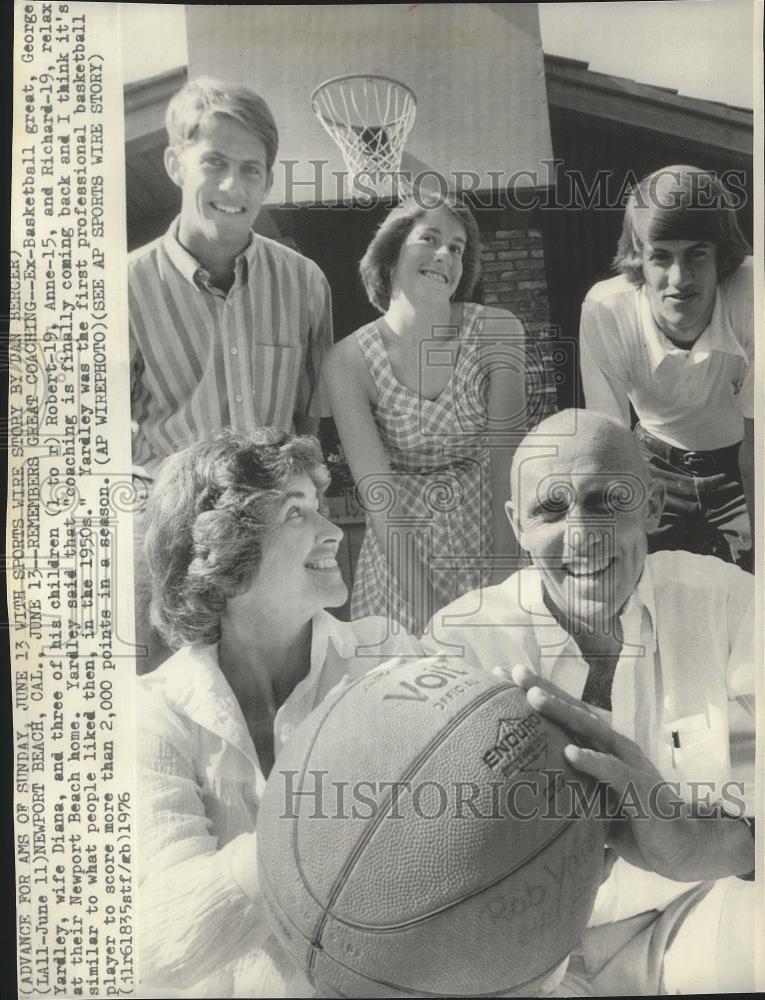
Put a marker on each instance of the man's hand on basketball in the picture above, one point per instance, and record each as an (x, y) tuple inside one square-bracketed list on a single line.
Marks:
[(652, 829)]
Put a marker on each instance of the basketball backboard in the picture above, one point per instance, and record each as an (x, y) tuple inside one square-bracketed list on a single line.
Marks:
[(476, 69)]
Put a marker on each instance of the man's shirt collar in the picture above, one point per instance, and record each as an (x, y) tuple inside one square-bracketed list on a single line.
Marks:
[(553, 639), (718, 336), (189, 267)]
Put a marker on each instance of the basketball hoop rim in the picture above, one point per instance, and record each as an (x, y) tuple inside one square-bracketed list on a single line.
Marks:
[(347, 77)]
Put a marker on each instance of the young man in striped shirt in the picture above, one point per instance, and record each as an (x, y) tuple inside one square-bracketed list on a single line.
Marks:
[(227, 328)]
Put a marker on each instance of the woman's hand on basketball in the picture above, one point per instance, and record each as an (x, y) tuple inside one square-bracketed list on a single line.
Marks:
[(650, 827)]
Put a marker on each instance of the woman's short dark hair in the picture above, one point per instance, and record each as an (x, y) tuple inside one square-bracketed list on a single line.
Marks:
[(379, 261), (208, 514), (680, 203)]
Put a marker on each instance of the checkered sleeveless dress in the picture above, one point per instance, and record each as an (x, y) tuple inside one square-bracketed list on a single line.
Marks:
[(438, 453)]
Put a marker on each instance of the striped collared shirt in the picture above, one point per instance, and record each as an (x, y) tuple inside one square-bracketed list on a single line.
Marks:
[(203, 360)]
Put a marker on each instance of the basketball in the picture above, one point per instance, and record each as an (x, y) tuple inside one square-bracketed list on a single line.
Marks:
[(418, 836)]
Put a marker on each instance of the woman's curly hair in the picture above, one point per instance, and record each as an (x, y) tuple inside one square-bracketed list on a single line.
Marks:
[(208, 514), (379, 261)]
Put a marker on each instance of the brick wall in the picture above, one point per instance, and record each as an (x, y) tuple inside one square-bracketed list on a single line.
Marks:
[(513, 277)]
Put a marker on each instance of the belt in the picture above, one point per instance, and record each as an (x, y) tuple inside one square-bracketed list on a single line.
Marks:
[(695, 463)]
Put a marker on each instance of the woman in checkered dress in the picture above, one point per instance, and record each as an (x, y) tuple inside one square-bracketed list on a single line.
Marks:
[(428, 401)]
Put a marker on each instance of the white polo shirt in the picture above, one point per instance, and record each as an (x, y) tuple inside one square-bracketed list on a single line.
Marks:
[(693, 399), (686, 666)]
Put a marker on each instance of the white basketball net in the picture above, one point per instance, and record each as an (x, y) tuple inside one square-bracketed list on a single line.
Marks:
[(369, 117)]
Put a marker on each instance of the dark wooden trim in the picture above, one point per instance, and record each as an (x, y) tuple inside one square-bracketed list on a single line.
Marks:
[(573, 87), (154, 89)]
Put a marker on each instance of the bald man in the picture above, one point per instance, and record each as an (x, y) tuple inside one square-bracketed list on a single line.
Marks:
[(659, 646)]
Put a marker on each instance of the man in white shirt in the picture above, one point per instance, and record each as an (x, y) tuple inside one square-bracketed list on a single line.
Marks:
[(658, 645), (673, 335)]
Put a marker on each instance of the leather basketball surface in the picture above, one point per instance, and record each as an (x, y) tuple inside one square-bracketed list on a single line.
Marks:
[(417, 835)]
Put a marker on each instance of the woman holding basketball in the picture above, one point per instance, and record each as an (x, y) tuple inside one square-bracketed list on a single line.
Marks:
[(428, 400), (242, 563)]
